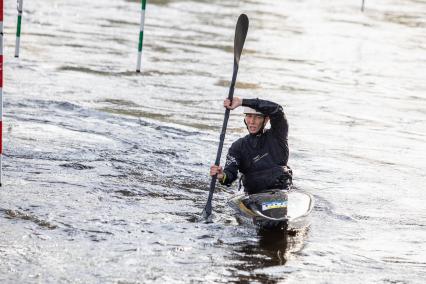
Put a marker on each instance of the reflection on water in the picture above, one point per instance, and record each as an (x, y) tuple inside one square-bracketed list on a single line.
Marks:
[(269, 250)]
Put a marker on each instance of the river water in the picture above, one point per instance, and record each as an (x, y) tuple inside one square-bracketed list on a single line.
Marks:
[(105, 171)]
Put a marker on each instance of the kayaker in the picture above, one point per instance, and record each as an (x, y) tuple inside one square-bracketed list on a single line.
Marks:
[(261, 156)]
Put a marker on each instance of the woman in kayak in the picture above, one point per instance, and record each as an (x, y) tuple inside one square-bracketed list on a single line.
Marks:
[(262, 155)]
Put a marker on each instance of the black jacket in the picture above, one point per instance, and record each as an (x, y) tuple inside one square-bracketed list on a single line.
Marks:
[(262, 158)]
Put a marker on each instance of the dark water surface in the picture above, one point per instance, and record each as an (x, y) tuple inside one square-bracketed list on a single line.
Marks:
[(105, 171)]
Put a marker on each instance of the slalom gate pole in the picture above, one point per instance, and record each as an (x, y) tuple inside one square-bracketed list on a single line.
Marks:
[(1, 88), (138, 67), (18, 28)]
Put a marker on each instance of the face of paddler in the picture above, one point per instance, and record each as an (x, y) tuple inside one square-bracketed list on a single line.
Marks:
[(255, 122)]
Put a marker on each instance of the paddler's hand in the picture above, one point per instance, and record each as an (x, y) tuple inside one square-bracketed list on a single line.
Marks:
[(236, 102), (216, 170)]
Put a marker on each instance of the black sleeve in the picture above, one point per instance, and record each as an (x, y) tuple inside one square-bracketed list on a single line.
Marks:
[(279, 124), (232, 164)]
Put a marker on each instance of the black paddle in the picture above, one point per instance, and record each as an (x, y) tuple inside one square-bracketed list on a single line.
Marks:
[(240, 37)]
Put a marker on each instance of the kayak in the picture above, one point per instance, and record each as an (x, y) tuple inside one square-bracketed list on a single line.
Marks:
[(274, 210)]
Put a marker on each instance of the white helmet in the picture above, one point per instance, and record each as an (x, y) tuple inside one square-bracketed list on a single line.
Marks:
[(249, 110)]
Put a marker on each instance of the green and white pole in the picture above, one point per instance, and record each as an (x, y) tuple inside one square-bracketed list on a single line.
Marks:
[(138, 67), (18, 28)]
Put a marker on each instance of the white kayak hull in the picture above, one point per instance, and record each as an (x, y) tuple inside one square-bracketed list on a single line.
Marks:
[(296, 208)]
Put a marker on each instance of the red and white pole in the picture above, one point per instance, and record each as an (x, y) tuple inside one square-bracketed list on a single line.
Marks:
[(1, 88)]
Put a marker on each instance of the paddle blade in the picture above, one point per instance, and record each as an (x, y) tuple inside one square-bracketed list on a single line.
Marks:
[(207, 215), (240, 36), (207, 212)]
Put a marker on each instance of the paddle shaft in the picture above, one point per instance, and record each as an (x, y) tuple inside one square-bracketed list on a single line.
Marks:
[(208, 208), (226, 117)]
